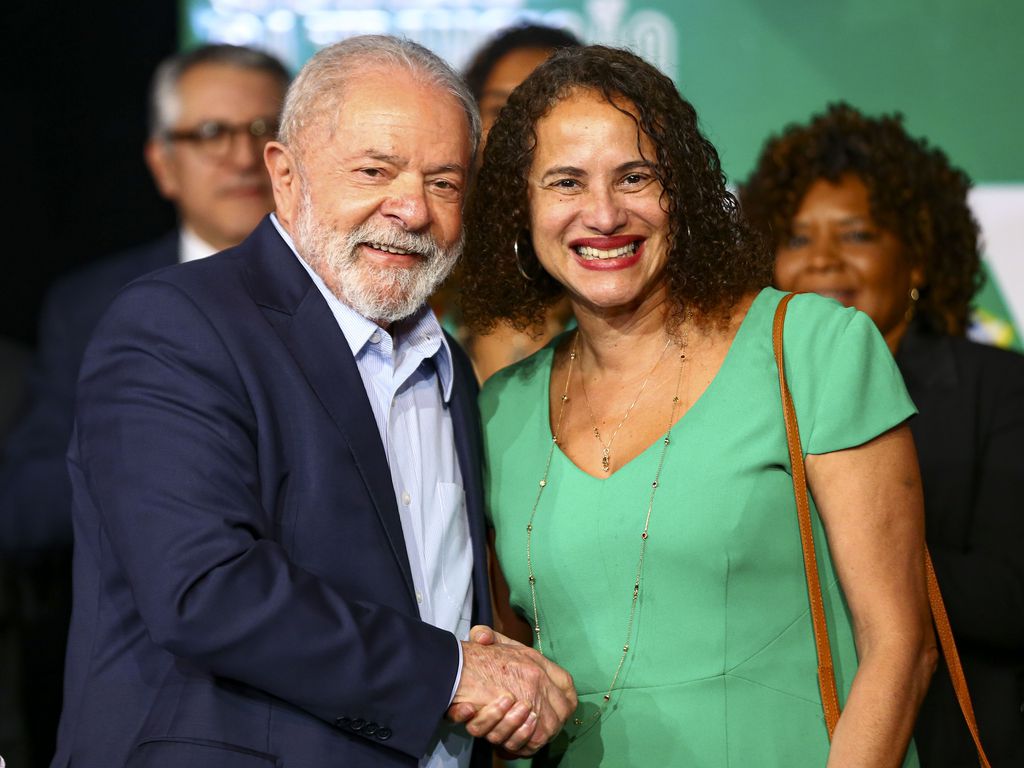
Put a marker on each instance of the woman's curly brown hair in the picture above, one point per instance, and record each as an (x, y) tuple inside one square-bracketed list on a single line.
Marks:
[(914, 192), (713, 258)]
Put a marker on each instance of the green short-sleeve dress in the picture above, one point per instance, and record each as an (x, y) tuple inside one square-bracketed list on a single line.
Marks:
[(721, 669)]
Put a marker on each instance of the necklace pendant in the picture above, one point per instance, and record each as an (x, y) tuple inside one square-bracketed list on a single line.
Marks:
[(605, 461)]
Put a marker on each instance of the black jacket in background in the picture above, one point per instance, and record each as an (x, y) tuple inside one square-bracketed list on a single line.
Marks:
[(970, 442), (35, 493)]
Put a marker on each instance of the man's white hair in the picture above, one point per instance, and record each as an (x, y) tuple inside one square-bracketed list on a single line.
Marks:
[(318, 92)]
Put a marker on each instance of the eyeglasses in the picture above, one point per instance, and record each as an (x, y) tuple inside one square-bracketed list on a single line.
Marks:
[(216, 139)]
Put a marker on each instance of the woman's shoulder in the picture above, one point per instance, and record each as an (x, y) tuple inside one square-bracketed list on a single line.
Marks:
[(811, 308), (812, 321), (843, 378), (810, 305), (527, 378)]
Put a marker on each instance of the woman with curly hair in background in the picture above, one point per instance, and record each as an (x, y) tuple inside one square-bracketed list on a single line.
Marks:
[(492, 73), (858, 210), (639, 484)]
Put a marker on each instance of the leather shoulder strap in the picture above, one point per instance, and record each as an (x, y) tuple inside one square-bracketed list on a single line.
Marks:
[(826, 672), (956, 671)]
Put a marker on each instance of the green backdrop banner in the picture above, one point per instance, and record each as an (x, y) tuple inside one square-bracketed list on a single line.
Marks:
[(750, 67)]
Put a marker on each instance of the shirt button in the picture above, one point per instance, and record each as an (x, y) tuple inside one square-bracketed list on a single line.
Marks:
[(406, 498), (419, 597), (375, 337)]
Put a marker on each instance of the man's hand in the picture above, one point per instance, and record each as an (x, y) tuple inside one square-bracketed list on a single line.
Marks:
[(510, 694)]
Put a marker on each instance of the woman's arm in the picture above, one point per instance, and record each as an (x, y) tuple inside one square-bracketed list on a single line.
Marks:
[(870, 502)]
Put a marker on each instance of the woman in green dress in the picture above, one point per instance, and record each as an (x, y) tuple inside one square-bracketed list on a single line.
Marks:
[(639, 483)]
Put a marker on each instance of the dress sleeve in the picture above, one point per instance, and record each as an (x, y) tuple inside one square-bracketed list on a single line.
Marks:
[(845, 383)]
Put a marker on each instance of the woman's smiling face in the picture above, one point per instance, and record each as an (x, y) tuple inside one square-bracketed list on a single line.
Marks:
[(836, 249), (597, 221)]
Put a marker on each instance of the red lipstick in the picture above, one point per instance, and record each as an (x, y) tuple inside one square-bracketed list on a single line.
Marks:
[(608, 244)]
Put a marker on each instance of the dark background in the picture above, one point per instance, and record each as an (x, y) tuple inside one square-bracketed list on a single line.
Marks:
[(76, 190), (75, 124)]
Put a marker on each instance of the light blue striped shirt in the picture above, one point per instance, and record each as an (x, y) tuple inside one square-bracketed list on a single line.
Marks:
[(408, 378)]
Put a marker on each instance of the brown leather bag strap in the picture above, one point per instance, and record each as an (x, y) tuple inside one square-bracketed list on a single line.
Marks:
[(826, 672), (956, 671)]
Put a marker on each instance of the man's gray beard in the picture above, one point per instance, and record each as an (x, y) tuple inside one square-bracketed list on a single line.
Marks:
[(383, 294)]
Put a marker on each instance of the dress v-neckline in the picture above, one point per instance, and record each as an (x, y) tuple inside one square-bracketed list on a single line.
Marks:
[(709, 390)]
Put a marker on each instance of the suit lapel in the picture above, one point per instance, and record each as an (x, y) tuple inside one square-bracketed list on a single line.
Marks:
[(304, 322), (466, 427)]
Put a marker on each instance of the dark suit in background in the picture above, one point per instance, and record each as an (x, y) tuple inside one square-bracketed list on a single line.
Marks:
[(243, 592), (35, 495), (970, 442)]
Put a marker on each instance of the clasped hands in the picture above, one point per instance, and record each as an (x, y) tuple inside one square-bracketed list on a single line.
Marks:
[(510, 694)]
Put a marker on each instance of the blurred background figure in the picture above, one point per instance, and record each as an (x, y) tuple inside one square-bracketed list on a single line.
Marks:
[(212, 111), (493, 73), (504, 61), (858, 210)]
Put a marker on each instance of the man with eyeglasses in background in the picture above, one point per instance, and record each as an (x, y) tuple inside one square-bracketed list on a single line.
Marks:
[(212, 111)]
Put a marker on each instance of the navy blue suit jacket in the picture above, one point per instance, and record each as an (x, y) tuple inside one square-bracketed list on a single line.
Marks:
[(35, 495), (242, 590)]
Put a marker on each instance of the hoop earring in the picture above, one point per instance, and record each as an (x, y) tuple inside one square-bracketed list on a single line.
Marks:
[(912, 306), (519, 264)]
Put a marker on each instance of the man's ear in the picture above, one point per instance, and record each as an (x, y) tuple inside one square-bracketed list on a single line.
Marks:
[(285, 180), (161, 164)]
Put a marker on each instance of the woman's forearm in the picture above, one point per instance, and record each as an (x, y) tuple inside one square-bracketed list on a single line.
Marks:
[(878, 719), (869, 498)]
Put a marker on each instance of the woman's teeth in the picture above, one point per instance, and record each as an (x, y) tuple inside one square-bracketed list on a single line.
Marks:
[(589, 253)]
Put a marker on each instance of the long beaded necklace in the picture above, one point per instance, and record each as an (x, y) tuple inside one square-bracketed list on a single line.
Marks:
[(606, 448), (643, 534)]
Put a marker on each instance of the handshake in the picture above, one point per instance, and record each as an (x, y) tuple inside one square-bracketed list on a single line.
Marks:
[(510, 694)]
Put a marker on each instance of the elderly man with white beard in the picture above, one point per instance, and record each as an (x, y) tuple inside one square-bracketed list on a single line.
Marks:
[(277, 498)]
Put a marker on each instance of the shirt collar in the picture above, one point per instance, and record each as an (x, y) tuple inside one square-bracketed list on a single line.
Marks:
[(420, 332), (192, 247)]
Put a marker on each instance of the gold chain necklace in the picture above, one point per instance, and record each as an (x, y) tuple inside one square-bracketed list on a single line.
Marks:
[(643, 534), (606, 452)]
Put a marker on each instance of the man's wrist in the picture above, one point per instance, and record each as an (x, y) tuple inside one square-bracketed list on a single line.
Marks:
[(458, 672)]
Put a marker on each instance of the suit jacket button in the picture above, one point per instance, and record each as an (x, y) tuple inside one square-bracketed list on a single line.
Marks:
[(342, 722), (358, 723), (370, 728), (383, 734)]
